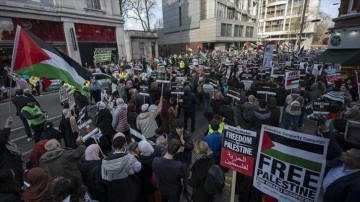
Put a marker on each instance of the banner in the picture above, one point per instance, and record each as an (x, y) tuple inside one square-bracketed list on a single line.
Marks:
[(233, 93), (238, 150), (177, 89), (102, 56), (292, 79), (317, 69), (333, 73), (163, 77), (268, 55), (265, 89), (144, 90), (321, 107), (289, 165), (276, 72)]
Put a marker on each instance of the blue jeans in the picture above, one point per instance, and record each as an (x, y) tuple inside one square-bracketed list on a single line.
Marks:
[(206, 105), (292, 118)]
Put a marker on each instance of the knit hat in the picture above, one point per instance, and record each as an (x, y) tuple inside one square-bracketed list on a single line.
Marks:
[(101, 105), (119, 134), (145, 148), (152, 108), (144, 107), (51, 144), (92, 152)]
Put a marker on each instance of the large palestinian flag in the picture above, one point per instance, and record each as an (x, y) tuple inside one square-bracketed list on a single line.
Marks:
[(35, 57)]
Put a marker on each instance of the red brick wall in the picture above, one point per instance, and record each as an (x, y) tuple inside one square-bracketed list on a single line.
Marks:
[(344, 6)]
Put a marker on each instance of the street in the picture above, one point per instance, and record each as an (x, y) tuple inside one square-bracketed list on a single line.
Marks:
[(48, 102)]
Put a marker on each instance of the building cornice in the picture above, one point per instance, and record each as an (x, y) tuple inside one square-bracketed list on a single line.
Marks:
[(52, 14)]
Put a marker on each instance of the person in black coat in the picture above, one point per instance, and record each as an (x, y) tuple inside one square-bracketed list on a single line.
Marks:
[(90, 168), (342, 181), (189, 107), (104, 121), (227, 112), (10, 156), (199, 170), (66, 130), (10, 189)]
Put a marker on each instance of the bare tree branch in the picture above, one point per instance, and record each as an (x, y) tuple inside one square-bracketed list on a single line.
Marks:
[(141, 10)]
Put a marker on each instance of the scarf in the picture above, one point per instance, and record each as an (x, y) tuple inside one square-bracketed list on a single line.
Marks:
[(13, 149), (196, 157)]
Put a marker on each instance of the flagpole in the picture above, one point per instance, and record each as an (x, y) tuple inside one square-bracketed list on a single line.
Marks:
[(11, 80), (16, 41)]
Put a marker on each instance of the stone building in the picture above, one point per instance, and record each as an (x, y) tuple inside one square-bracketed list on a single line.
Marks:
[(209, 24)]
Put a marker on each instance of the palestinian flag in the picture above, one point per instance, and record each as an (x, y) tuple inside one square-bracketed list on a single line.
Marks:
[(250, 45), (202, 56), (35, 57)]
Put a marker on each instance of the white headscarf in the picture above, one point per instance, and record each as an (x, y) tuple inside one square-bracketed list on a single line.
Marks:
[(101, 105)]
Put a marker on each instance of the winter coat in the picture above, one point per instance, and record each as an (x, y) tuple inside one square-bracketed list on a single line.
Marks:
[(67, 134), (120, 122), (80, 100), (147, 171), (215, 105), (91, 175), (259, 118), (63, 162), (104, 122), (147, 124), (228, 113), (131, 118), (184, 156), (10, 159), (119, 171), (199, 171), (9, 196)]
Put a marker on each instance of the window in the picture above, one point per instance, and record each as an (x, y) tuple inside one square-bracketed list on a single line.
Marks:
[(221, 10), (352, 6), (238, 30), (225, 29), (249, 32), (94, 4), (142, 48)]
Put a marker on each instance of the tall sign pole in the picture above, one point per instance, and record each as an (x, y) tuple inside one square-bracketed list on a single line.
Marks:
[(302, 25)]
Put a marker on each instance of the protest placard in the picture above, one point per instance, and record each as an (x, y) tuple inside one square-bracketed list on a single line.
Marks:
[(63, 92), (317, 69), (238, 150), (276, 72), (102, 56), (292, 79), (144, 90), (177, 89), (333, 73), (163, 77), (289, 165), (321, 108), (268, 55), (213, 81), (265, 89)]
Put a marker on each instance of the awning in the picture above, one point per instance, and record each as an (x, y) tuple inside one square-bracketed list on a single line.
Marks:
[(345, 57)]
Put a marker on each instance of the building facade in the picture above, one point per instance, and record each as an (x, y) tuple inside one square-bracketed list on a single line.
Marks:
[(344, 39), (140, 44), (77, 28), (209, 24), (280, 20)]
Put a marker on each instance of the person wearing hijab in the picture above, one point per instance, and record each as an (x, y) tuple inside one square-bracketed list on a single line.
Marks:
[(165, 116), (66, 130), (120, 122), (90, 168), (104, 120), (147, 153), (39, 180)]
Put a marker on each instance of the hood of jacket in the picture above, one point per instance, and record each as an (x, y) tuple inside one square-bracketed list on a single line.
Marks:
[(51, 155), (262, 115), (118, 168)]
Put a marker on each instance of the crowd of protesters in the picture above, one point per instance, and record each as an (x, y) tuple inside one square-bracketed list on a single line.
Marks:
[(168, 162)]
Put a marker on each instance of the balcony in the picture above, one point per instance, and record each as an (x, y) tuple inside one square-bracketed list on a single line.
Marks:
[(37, 2)]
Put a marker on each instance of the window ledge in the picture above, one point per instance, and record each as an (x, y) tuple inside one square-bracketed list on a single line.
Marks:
[(96, 10), (346, 16)]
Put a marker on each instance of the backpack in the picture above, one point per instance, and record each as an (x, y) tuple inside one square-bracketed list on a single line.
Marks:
[(295, 107), (215, 180)]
